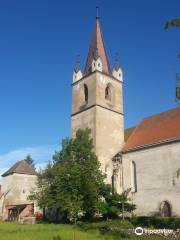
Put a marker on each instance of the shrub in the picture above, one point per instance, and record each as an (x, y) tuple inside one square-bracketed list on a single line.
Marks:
[(111, 224), (156, 222), (57, 238)]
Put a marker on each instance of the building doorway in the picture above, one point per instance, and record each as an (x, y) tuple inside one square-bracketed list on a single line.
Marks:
[(165, 209), (15, 211)]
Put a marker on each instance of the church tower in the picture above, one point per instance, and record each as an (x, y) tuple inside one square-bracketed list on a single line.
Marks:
[(97, 102)]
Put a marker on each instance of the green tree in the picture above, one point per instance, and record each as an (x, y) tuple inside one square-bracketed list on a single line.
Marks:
[(113, 204), (80, 153), (44, 194), (72, 183), (172, 23), (169, 24), (29, 160)]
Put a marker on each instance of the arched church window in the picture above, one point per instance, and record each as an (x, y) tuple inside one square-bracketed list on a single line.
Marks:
[(108, 93), (133, 177), (85, 93)]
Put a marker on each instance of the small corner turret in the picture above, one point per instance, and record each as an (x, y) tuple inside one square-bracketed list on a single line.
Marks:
[(77, 73), (117, 73)]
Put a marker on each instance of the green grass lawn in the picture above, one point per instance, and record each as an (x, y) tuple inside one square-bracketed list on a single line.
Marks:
[(15, 231)]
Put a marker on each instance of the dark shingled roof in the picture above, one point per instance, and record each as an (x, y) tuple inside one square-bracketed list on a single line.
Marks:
[(21, 167), (97, 47), (156, 129)]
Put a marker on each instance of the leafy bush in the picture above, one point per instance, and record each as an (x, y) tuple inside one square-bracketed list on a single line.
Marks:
[(111, 224), (117, 228), (156, 222), (57, 238), (113, 204)]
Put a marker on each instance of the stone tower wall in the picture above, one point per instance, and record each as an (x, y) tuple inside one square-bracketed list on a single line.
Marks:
[(104, 117)]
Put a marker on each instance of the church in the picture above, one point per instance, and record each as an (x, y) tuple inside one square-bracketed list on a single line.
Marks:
[(144, 158)]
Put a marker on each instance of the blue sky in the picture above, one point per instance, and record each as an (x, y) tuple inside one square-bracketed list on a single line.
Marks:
[(39, 41)]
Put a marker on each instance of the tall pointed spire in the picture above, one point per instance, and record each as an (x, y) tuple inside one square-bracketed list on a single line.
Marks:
[(97, 49)]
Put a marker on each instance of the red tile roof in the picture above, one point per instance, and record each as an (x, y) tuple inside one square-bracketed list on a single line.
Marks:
[(128, 132), (97, 47), (155, 129)]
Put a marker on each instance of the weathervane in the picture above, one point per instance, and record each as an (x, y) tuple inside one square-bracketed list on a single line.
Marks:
[(97, 12)]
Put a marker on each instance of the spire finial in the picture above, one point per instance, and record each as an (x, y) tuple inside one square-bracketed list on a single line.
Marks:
[(97, 12)]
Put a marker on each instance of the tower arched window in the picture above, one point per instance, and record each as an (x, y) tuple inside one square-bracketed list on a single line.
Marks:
[(133, 177), (108, 93), (85, 93)]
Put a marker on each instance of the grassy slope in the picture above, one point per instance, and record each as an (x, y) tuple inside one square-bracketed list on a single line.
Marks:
[(13, 231)]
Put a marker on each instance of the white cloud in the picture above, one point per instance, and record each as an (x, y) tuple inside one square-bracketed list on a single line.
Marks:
[(41, 154)]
